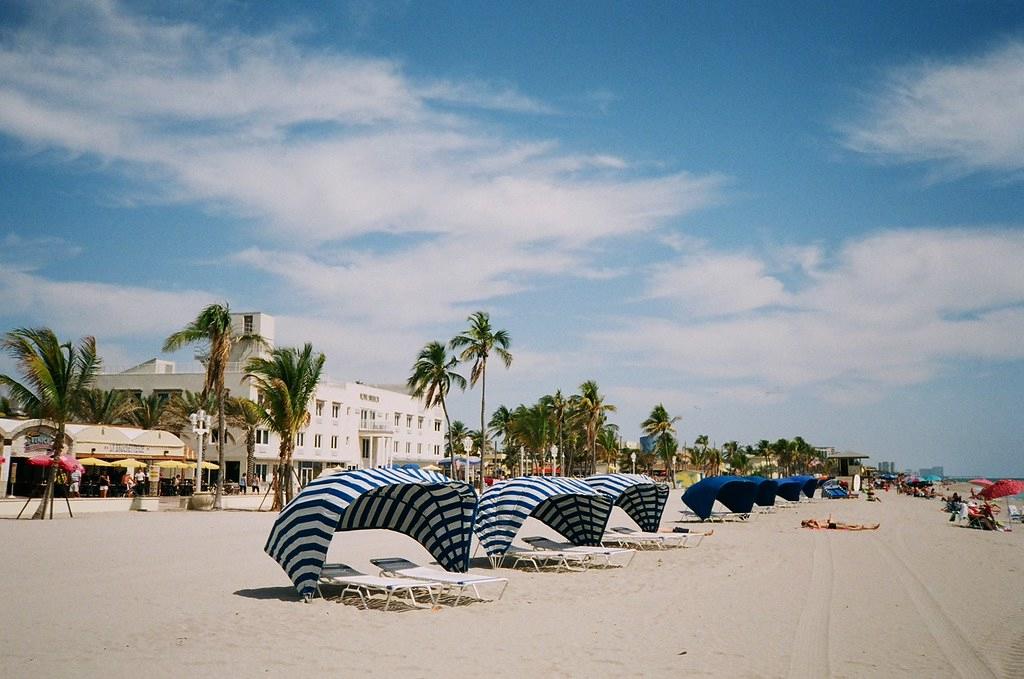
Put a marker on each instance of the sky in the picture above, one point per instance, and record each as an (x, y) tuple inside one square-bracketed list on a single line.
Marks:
[(775, 219)]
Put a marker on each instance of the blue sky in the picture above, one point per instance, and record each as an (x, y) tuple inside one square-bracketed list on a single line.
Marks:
[(778, 220)]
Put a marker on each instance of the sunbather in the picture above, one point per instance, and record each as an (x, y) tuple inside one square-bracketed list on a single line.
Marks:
[(829, 524), (691, 531)]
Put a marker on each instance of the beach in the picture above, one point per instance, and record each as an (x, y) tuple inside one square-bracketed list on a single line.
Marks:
[(164, 594)]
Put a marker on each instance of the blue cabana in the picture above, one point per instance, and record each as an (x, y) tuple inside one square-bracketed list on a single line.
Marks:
[(789, 489), (569, 506), (638, 494), (734, 492), (766, 489), (809, 484), (428, 507)]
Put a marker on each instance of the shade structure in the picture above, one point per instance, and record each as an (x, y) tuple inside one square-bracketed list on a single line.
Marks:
[(808, 484), (789, 489), (766, 489), (93, 462), (428, 507), (981, 482), (172, 464), (735, 492), (206, 465), (638, 495), (65, 462), (1002, 488), (569, 506), (128, 462)]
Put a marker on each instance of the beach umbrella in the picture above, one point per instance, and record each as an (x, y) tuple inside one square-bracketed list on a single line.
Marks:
[(1002, 488), (93, 462), (129, 462), (980, 482), (40, 461), (932, 478)]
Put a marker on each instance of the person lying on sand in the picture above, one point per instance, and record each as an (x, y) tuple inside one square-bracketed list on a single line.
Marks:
[(691, 531), (829, 524)]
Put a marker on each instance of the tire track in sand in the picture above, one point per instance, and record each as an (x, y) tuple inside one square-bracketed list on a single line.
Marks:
[(809, 655), (960, 654)]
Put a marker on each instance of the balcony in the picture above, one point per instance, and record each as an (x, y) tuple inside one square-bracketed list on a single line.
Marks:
[(375, 427)]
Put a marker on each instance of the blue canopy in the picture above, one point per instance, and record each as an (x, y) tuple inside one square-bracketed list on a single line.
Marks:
[(734, 492), (638, 494), (789, 489), (766, 489), (809, 484), (569, 506), (428, 507)]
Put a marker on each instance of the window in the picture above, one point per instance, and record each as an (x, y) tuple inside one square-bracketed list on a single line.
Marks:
[(319, 408), (318, 440), (261, 472), (419, 448), (334, 442), (437, 425), (396, 446), (214, 435), (408, 421), (419, 425), (437, 450), (398, 419), (335, 409), (262, 437), (247, 325), (407, 447), (300, 439)]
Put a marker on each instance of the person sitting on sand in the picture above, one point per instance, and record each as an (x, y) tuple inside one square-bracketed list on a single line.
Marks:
[(829, 524)]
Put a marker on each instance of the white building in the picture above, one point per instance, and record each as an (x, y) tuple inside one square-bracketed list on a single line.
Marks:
[(351, 424)]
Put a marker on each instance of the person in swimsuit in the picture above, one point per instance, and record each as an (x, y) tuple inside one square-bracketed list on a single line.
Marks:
[(829, 524)]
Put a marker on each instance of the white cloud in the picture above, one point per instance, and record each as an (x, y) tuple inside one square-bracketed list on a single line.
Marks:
[(889, 310), (965, 114), (23, 253), (712, 285)]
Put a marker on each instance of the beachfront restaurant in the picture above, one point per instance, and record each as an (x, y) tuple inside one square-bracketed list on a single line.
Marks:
[(25, 439)]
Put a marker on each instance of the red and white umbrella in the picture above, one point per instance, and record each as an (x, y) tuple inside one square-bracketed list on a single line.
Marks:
[(1002, 488), (980, 482)]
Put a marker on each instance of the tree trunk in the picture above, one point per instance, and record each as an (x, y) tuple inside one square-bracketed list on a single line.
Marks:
[(483, 432), (220, 449), (250, 454), (51, 476), (279, 477), (289, 488), (451, 444)]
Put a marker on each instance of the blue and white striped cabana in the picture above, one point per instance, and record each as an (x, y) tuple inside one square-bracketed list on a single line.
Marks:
[(428, 507), (638, 494), (569, 506)]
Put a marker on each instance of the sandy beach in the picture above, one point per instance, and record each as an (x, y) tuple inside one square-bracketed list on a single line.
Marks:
[(164, 594)]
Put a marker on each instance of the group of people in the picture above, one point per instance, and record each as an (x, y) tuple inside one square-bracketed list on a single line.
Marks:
[(134, 483)]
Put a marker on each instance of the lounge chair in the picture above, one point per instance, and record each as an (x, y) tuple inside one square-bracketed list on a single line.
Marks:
[(601, 554), (642, 539), (545, 558), (403, 568), (363, 585), (717, 516), (1015, 514)]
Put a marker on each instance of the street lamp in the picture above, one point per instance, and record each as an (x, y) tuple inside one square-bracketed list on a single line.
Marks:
[(467, 445), (200, 427), (632, 458), (554, 460)]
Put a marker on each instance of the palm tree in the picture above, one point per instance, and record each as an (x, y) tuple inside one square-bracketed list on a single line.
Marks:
[(608, 442), (212, 329), (501, 426), (477, 342), (246, 415), (286, 382), (433, 375), (764, 450), (593, 410), (7, 407), (177, 410), (783, 455), (659, 425), (55, 376), (150, 412), (100, 406), (559, 409)]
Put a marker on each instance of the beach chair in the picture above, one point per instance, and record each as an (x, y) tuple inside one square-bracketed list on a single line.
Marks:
[(363, 585), (544, 558), (403, 568), (642, 539), (602, 555), (1016, 514)]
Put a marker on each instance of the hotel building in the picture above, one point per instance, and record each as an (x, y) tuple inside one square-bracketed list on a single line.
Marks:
[(351, 424)]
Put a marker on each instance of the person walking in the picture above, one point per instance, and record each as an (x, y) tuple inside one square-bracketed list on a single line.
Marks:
[(241, 484)]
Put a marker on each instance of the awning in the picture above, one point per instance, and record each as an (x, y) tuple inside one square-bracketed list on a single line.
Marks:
[(638, 494), (734, 492)]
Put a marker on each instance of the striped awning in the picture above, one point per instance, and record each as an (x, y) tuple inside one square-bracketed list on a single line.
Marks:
[(428, 507), (569, 506), (638, 494)]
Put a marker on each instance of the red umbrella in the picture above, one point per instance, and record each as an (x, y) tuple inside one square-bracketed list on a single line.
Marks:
[(40, 461), (1002, 489), (980, 482)]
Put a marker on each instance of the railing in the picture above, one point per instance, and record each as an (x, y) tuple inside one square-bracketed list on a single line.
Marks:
[(373, 425)]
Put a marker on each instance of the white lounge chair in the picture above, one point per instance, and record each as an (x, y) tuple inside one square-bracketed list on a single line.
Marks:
[(604, 555), (538, 558), (362, 585), (1015, 514), (403, 568), (643, 539)]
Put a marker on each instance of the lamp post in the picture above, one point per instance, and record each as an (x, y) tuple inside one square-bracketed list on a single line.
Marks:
[(632, 458), (467, 445), (554, 460), (200, 427)]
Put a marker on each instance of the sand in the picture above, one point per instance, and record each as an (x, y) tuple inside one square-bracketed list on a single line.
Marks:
[(174, 593)]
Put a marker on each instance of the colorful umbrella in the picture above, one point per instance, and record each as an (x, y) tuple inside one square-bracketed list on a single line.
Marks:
[(206, 465), (93, 462), (1002, 488), (128, 462), (68, 464), (980, 482), (172, 464)]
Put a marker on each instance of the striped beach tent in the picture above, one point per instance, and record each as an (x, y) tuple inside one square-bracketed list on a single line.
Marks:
[(427, 506), (638, 494), (569, 506)]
